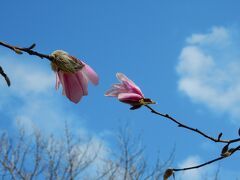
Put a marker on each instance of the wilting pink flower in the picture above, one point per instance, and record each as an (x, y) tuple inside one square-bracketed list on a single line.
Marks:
[(128, 92), (73, 74)]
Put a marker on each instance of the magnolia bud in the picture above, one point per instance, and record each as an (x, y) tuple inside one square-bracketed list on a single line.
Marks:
[(17, 51), (64, 62), (167, 174)]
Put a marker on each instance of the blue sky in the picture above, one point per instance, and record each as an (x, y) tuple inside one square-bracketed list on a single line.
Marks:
[(182, 54)]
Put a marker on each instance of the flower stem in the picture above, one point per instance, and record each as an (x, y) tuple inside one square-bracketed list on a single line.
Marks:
[(193, 129)]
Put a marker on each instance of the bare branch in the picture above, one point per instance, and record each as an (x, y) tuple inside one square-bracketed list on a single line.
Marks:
[(5, 76), (20, 50), (193, 129), (130, 163)]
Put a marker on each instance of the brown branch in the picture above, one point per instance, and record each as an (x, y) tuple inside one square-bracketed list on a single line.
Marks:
[(231, 152), (201, 165), (5, 76), (37, 155), (225, 153), (20, 50), (193, 129)]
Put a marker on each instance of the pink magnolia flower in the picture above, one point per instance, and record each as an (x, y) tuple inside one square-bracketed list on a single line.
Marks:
[(73, 74), (128, 92)]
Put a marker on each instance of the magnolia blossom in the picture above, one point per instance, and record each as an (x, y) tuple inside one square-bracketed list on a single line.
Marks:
[(73, 74), (128, 92)]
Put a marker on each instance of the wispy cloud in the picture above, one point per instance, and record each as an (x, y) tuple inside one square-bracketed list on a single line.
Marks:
[(217, 36), (212, 171), (28, 100), (27, 77), (197, 174), (209, 70)]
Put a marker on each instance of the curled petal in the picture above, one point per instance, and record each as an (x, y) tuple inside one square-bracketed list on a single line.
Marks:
[(126, 97), (60, 76), (119, 86), (122, 78), (129, 84), (114, 92), (90, 73), (116, 89), (57, 81), (72, 87), (83, 82)]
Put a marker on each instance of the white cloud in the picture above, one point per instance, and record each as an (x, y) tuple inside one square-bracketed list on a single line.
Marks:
[(32, 80), (30, 99), (218, 35), (27, 77), (209, 70), (208, 172)]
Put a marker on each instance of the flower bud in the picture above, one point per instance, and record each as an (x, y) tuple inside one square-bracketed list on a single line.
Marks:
[(64, 62)]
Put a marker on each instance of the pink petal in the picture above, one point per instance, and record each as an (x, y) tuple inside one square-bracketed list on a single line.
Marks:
[(72, 87), (57, 81), (116, 89), (122, 77), (114, 92), (82, 80), (60, 75), (119, 86), (129, 83), (129, 97), (90, 73)]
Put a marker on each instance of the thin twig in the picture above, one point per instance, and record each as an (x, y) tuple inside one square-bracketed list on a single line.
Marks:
[(208, 162), (193, 129), (20, 50), (5, 76), (201, 165)]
